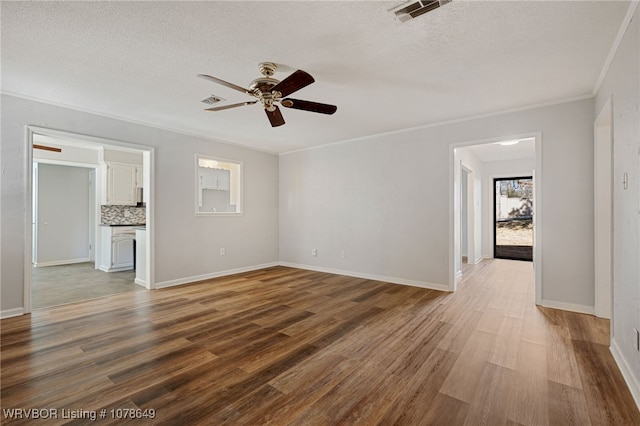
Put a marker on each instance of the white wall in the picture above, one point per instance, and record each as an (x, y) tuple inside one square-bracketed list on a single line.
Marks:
[(622, 81), (186, 246), (63, 214), (122, 157), (385, 200)]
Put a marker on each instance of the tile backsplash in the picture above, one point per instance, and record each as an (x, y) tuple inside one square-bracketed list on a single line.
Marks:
[(123, 215)]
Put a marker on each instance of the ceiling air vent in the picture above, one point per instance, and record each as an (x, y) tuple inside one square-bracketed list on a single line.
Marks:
[(212, 100), (413, 9)]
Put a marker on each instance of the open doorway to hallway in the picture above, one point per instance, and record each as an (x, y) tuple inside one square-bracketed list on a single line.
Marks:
[(476, 166)]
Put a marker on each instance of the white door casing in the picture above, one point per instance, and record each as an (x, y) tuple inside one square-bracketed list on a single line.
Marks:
[(603, 210)]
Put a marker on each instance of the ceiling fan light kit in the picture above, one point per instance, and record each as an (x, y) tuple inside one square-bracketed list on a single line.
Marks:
[(270, 91)]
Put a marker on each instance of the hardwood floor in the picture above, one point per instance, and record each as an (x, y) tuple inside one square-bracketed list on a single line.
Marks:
[(285, 346)]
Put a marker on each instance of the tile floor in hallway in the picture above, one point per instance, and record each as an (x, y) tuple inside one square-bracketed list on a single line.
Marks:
[(57, 285)]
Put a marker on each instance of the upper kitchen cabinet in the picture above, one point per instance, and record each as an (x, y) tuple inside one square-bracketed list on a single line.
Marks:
[(219, 179), (121, 184), (122, 174), (139, 177)]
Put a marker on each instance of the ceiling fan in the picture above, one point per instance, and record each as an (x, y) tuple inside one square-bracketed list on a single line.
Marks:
[(270, 91)]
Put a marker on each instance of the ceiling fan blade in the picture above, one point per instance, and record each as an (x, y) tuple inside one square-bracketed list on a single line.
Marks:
[(294, 82), (275, 117), (226, 83), (309, 106), (220, 108)]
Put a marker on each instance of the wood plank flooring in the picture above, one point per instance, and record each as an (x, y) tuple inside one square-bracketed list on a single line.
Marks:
[(284, 346)]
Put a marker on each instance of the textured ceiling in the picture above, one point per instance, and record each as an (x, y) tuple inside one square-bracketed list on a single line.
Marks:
[(139, 61)]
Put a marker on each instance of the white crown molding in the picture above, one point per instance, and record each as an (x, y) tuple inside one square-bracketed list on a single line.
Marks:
[(129, 120), (447, 122), (616, 45)]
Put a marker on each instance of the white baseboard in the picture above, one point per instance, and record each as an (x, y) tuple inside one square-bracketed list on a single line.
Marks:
[(627, 373), (392, 280), (141, 282), (8, 313), (61, 262), (581, 309), (123, 268), (203, 277)]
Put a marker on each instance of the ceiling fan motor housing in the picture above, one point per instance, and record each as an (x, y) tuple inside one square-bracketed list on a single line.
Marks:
[(261, 87)]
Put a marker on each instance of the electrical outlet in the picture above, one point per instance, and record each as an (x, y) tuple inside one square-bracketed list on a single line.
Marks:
[(342, 254), (223, 252), (314, 252), (636, 339)]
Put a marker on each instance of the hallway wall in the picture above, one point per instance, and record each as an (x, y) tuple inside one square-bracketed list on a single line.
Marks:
[(63, 214)]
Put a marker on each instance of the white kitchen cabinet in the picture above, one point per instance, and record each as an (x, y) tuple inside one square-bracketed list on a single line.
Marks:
[(117, 248), (213, 179), (122, 253), (120, 184), (219, 179), (208, 178), (218, 186), (224, 179), (139, 177)]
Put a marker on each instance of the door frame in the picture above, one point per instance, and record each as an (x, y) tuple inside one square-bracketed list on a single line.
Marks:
[(494, 218), (474, 215), (148, 153), (603, 211), (454, 207)]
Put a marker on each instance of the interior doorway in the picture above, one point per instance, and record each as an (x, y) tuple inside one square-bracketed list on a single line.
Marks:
[(51, 276), (64, 229), (475, 164), (513, 218)]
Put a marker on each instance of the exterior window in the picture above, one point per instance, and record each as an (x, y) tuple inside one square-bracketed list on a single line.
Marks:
[(218, 186)]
